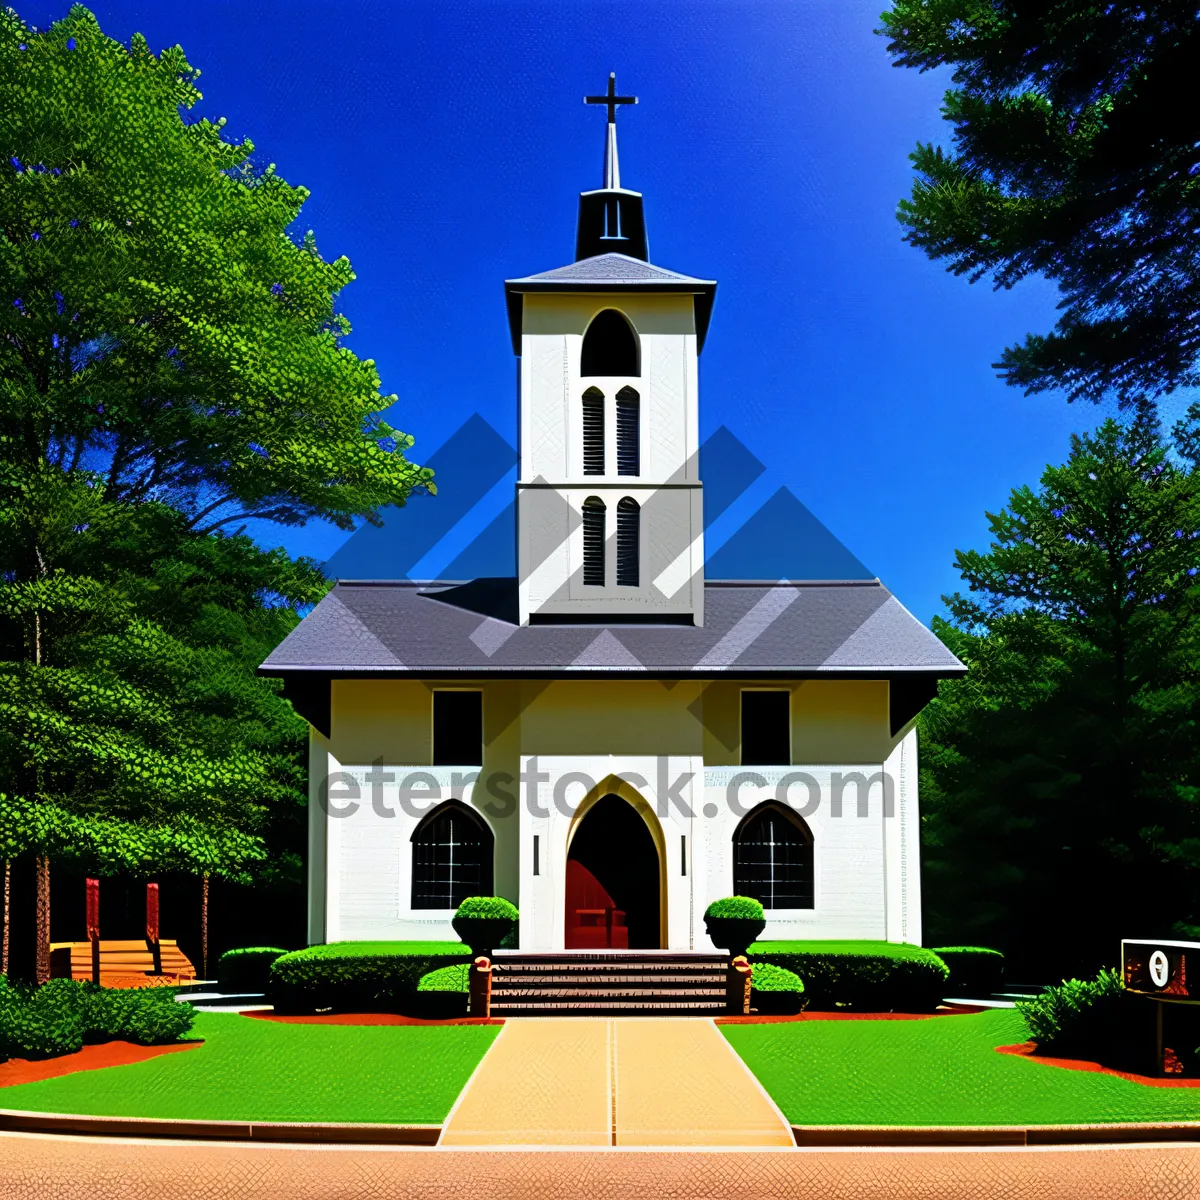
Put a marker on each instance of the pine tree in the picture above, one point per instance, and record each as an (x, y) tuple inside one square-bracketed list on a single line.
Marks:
[(1076, 156), (1062, 774)]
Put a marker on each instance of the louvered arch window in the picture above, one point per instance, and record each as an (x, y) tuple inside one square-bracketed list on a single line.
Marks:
[(593, 432), (773, 857), (629, 534), (629, 450), (452, 853), (594, 514), (610, 347)]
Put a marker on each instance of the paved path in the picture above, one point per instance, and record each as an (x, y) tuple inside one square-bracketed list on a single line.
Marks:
[(44, 1167), (563, 1081)]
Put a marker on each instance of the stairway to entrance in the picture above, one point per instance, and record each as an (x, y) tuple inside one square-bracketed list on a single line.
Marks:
[(635, 983)]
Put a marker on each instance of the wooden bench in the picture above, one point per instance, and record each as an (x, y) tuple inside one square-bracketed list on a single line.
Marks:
[(122, 964)]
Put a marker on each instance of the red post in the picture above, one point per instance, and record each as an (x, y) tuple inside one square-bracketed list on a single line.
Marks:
[(152, 925), (93, 926), (479, 980), (738, 986), (152, 912)]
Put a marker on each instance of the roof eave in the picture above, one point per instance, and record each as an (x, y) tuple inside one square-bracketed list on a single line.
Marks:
[(704, 291)]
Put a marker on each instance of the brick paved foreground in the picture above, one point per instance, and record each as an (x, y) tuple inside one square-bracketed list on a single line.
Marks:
[(48, 1167)]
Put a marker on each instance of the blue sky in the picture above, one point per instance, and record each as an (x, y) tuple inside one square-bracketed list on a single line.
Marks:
[(445, 144)]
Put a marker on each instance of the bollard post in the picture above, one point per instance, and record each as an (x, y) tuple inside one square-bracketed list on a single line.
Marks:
[(92, 887), (479, 980), (737, 986)]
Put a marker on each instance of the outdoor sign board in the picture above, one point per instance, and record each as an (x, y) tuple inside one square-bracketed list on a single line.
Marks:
[(1165, 970)]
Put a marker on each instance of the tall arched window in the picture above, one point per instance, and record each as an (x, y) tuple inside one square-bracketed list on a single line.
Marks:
[(773, 857), (452, 852), (629, 451), (594, 514), (593, 432), (610, 346), (629, 518)]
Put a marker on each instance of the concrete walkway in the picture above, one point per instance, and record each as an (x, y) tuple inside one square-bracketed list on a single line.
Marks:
[(563, 1081)]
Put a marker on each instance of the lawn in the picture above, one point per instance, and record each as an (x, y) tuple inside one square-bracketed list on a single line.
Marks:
[(254, 1070), (940, 1071)]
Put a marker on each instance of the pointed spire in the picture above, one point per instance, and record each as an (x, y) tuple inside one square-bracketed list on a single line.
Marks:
[(610, 218), (612, 168)]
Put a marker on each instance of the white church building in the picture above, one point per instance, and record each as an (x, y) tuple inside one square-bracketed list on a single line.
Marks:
[(610, 739)]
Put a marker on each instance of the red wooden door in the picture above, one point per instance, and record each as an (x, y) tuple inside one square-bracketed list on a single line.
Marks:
[(594, 922)]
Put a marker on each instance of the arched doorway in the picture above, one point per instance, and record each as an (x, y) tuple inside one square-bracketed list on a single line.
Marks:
[(612, 886)]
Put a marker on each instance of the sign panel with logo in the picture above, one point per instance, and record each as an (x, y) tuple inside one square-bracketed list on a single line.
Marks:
[(1161, 969)]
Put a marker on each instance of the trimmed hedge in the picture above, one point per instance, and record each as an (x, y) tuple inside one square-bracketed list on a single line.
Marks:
[(64, 1015), (740, 908), (775, 990), (868, 976), (975, 971), (247, 970), (358, 976), (443, 993)]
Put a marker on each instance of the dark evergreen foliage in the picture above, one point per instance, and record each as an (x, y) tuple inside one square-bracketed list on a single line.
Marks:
[(1075, 155)]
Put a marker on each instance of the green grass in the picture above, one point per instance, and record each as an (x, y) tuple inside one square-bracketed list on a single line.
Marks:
[(254, 1070), (940, 1071)]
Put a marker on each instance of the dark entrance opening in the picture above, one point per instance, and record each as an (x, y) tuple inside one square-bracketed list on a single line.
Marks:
[(612, 881)]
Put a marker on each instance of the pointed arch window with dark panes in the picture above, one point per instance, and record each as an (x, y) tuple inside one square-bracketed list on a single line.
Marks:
[(773, 857), (629, 535), (610, 347), (452, 852), (593, 432), (594, 514), (629, 442)]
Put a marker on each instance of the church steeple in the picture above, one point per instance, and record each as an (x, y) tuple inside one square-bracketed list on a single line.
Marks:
[(611, 219)]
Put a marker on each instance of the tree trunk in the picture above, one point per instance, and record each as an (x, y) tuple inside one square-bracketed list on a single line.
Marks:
[(42, 962), (204, 925), (7, 910)]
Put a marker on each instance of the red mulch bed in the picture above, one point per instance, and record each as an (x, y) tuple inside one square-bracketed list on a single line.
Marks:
[(369, 1019), (765, 1019), (1029, 1050), (90, 1058)]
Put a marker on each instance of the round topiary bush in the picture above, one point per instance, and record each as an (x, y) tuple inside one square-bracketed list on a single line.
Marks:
[(734, 922), (483, 922), (775, 990)]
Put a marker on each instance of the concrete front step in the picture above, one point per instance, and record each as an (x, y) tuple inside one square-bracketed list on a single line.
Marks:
[(608, 983)]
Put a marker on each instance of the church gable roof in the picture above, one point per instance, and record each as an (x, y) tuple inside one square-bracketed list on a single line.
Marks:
[(610, 269), (751, 629)]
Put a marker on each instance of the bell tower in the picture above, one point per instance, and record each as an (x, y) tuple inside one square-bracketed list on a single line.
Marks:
[(609, 508)]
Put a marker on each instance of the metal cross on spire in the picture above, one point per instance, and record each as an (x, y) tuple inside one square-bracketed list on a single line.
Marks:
[(611, 99), (612, 171)]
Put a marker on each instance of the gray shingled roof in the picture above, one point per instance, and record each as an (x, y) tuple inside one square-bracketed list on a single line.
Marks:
[(610, 273), (611, 268), (760, 629)]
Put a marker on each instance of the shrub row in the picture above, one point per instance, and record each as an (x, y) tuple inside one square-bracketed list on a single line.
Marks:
[(247, 970), (64, 1015), (357, 976), (863, 975), (975, 971)]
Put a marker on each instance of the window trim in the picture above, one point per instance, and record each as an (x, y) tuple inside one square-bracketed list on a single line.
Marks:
[(447, 808), (793, 818)]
